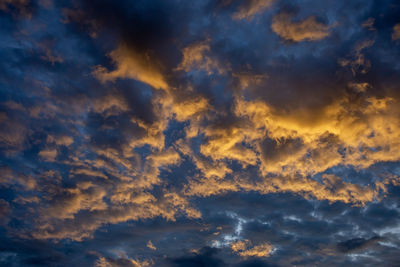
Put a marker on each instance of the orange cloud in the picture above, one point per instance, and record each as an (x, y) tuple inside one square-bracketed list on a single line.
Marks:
[(396, 32), (150, 245), (197, 57), (332, 188), (244, 249), (85, 196), (84, 204), (251, 8), (305, 142), (247, 79), (111, 104), (308, 29), (48, 154), (62, 140), (108, 262), (190, 107), (227, 144), (9, 178), (131, 64), (357, 61)]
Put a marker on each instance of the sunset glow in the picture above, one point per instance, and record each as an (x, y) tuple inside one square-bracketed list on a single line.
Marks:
[(199, 133)]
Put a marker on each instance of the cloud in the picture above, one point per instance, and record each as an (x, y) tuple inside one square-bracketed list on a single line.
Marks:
[(251, 8), (10, 177), (130, 64), (247, 79), (197, 56), (396, 32), (62, 140), (112, 104), (119, 262), (317, 134), (244, 249), (85, 196), (106, 196), (48, 154), (150, 245), (63, 224), (360, 87), (190, 108), (357, 61), (226, 143), (138, 132), (369, 24), (332, 188), (309, 29)]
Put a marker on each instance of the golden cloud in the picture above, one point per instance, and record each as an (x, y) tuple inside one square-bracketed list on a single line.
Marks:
[(260, 149), (251, 8), (304, 142), (308, 29), (108, 262), (226, 143), (131, 64), (245, 249), (189, 108)]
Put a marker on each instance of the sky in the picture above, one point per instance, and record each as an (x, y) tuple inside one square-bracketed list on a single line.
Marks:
[(199, 133)]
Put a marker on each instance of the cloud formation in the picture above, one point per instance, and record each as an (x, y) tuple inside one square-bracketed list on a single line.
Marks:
[(129, 64), (308, 29), (241, 247), (221, 133), (249, 9)]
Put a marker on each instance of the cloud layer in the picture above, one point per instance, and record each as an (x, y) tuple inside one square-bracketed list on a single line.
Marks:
[(214, 133)]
